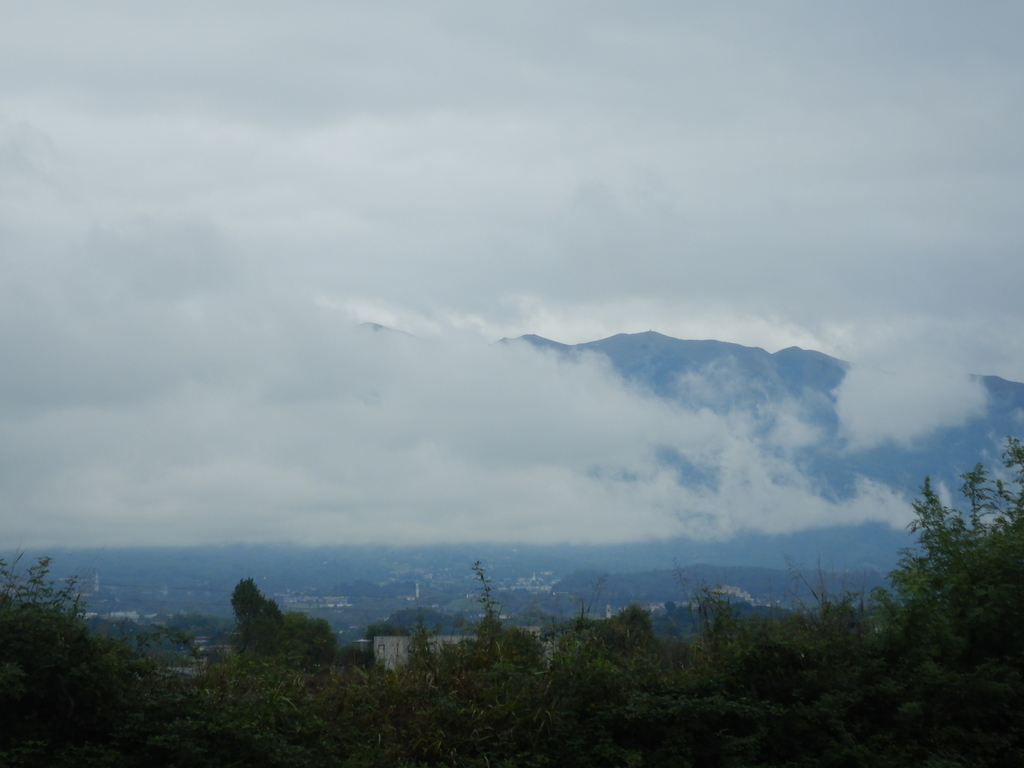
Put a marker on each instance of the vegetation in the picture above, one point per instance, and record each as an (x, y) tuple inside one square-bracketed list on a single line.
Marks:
[(927, 673), (261, 630)]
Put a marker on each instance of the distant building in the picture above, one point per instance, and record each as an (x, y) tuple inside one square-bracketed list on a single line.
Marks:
[(393, 650)]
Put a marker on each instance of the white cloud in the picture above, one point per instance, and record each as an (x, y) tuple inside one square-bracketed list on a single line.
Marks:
[(876, 406), (153, 397), (399, 440)]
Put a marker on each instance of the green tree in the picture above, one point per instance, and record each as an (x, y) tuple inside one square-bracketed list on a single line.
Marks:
[(953, 629), (65, 690), (306, 642), (258, 620), (384, 628), (960, 593)]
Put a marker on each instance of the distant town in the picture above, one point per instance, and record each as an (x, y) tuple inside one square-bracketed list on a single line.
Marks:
[(444, 596)]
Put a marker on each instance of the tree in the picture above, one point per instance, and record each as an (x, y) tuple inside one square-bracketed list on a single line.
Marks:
[(59, 683), (258, 620), (306, 642), (960, 593)]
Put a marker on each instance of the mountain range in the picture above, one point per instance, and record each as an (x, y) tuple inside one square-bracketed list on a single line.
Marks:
[(731, 378)]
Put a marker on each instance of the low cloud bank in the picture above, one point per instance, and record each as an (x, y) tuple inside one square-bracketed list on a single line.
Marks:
[(901, 405), (278, 423)]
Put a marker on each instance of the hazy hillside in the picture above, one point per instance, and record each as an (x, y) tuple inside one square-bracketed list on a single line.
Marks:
[(725, 377)]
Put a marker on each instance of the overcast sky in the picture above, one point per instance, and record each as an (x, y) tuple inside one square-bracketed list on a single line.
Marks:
[(199, 202)]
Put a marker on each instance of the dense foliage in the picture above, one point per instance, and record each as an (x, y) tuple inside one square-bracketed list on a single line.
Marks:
[(926, 674), (262, 630)]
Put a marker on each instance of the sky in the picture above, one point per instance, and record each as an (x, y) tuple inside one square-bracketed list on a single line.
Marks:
[(201, 202)]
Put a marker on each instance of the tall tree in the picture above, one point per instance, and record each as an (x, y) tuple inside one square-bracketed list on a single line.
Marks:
[(258, 620)]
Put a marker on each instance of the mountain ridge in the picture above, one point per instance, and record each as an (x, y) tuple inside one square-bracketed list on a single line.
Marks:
[(727, 377)]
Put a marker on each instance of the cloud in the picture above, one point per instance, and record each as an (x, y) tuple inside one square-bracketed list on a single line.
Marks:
[(763, 176), (196, 202), (875, 406), (381, 437)]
